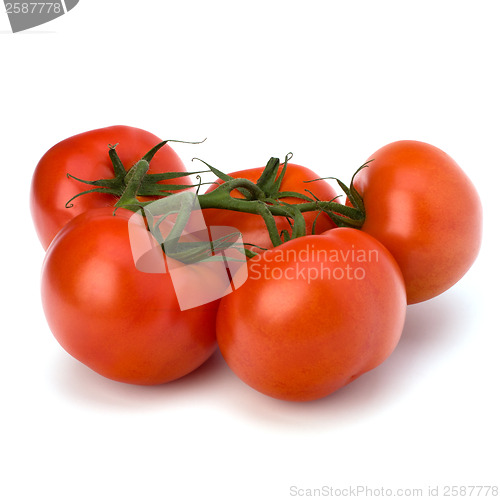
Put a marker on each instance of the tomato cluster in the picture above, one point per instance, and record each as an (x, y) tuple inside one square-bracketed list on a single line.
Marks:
[(301, 319)]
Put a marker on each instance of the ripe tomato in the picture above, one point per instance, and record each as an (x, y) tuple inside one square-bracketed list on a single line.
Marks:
[(424, 209), (123, 323), (324, 310), (252, 226), (85, 156)]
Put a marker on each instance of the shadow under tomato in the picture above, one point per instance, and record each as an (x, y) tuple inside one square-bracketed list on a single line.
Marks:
[(433, 330), (76, 381)]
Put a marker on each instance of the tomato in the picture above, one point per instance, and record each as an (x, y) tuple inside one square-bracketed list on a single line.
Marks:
[(85, 156), (252, 226), (121, 322), (314, 314), (421, 205)]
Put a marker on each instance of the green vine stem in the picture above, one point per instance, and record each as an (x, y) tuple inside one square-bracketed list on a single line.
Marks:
[(262, 198), (218, 198)]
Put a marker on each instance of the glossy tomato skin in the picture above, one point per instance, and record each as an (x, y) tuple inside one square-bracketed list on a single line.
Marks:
[(252, 227), (85, 156), (421, 205), (316, 323), (122, 323)]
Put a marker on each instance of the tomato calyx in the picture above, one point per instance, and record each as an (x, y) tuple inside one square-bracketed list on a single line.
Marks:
[(352, 193), (135, 182), (355, 199), (270, 181)]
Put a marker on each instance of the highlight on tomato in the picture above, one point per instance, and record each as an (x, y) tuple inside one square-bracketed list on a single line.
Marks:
[(314, 314)]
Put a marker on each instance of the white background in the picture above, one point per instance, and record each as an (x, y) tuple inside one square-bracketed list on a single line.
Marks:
[(332, 82)]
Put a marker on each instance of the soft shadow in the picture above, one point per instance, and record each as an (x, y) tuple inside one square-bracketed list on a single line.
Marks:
[(433, 330), (76, 381)]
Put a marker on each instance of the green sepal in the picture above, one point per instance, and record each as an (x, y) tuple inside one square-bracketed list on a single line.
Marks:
[(221, 175), (165, 176), (268, 177), (275, 188), (293, 194), (225, 177), (285, 235)]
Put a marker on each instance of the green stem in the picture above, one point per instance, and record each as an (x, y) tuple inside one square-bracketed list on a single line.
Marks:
[(218, 199), (223, 192), (299, 223), (170, 243), (264, 211), (133, 181), (118, 167), (221, 198)]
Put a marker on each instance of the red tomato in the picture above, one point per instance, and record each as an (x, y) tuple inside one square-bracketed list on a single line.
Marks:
[(252, 226), (85, 156), (424, 209), (123, 323), (323, 310)]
